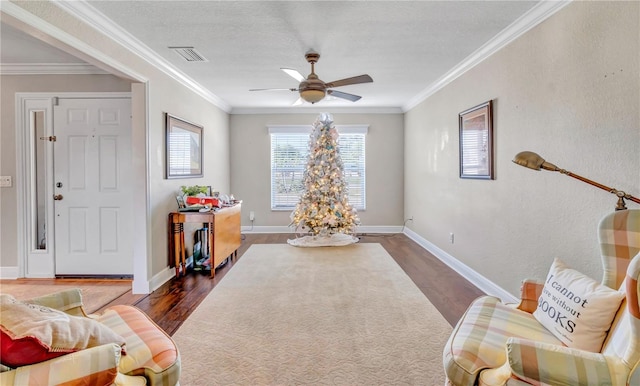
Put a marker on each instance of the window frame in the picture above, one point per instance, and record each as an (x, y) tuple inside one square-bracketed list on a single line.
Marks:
[(304, 131)]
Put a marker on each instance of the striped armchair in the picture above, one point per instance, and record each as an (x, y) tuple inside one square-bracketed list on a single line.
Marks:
[(498, 344), (151, 358)]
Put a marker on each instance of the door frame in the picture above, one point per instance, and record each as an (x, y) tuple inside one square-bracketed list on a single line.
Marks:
[(27, 102)]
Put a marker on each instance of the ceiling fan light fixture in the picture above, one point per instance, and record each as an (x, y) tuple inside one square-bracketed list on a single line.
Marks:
[(313, 90), (312, 95)]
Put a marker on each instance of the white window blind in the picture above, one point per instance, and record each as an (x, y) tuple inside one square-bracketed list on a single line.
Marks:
[(289, 153), (288, 159), (352, 152)]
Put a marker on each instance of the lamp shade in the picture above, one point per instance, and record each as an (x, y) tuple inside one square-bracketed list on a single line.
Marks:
[(312, 95), (533, 161)]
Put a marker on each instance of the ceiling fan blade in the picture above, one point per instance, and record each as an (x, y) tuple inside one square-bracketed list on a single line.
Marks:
[(344, 95), (273, 89), (298, 102), (294, 74), (353, 80)]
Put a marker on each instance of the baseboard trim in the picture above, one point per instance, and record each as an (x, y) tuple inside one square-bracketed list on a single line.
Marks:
[(160, 278), (359, 231), (363, 230), (484, 284), (9, 273), (140, 287), (265, 229), (137, 287)]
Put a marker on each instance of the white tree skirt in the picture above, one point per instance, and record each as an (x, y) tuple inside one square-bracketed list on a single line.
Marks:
[(335, 240)]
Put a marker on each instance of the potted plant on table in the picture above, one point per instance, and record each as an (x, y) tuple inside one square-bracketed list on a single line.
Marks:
[(194, 190)]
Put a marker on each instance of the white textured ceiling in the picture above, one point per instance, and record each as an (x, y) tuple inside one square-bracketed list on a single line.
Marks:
[(405, 46)]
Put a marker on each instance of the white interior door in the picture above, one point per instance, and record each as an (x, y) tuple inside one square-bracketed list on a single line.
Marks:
[(92, 187)]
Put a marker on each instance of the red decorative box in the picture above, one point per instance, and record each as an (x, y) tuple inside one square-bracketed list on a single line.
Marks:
[(191, 200)]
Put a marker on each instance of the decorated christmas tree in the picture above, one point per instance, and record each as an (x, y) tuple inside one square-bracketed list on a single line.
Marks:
[(323, 209)]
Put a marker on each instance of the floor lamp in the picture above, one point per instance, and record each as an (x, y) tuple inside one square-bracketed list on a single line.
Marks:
[(535, 162)]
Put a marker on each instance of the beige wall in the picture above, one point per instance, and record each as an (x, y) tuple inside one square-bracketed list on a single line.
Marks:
[(251, 157), (568, 90), (164, 94), (172, 98), (33, 83)]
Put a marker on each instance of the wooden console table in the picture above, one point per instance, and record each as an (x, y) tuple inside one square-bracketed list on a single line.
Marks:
[(224, 235)]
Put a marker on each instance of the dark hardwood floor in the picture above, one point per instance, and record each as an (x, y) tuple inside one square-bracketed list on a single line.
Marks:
[(450, 293)]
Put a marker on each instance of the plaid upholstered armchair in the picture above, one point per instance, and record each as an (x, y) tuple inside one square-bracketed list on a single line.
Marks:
[(121, 346), (536, 342)]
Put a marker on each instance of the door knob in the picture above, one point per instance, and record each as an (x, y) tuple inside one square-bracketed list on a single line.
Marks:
[(57, 197)]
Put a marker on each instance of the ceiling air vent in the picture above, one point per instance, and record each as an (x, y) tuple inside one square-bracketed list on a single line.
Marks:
[(189, 54)]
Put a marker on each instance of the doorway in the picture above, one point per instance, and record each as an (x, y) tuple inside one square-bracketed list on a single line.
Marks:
[(76, 186)]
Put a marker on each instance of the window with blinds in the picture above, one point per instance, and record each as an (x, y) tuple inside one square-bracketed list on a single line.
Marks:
[(352, 152), (289, 153), (288, 159)]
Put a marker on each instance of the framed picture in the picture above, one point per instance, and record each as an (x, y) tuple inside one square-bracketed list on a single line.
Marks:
[(476, 142), (183, 148)]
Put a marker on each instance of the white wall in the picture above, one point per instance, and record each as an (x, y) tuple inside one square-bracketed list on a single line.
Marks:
[(164, 94), (568, 90), (251, 157), (32, 83)]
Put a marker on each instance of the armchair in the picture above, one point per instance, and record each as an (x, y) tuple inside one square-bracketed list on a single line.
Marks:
[(499, 344), (151, 358)]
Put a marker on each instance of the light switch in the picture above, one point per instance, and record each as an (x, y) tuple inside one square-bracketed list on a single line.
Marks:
[(5, 182)]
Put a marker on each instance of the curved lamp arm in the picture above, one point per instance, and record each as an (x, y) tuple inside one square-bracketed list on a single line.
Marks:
[(534, 161)]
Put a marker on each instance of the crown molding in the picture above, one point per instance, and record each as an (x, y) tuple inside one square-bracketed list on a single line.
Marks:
[(536, 15), (53, 35), (50, 69), (84, 11), (316, 110)]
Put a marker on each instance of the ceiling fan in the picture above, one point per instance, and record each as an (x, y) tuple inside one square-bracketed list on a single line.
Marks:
[(313, 90)]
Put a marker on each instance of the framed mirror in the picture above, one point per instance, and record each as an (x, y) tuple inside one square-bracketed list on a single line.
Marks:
[(183, 148), (476, 142)]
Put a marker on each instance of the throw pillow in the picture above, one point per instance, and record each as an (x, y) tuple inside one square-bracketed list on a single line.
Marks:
[(575, 308), (31, 333)]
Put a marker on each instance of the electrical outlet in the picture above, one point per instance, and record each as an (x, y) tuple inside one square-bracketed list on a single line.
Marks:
[(451, 237), (252, 216), (5, 182)]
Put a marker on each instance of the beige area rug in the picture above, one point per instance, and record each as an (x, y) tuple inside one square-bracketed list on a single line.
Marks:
[(94, 296), (314, 316)]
